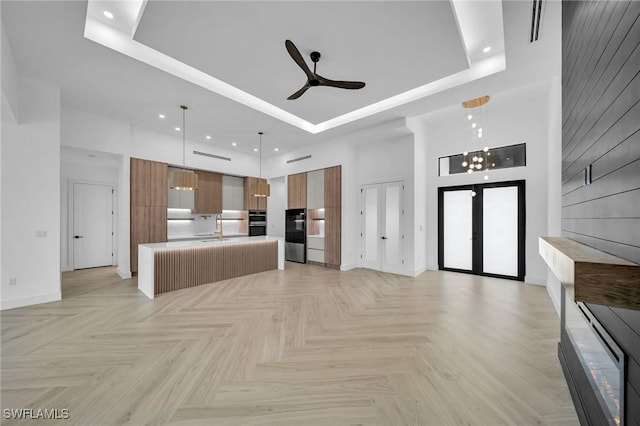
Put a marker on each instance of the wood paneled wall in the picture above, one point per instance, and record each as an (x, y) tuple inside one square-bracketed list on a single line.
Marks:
[(148, 206), (601, 128), (189, 267)]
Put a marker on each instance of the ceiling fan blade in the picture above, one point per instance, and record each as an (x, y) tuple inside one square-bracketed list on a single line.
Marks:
[(299, 92), (297, 57), (340, 84)]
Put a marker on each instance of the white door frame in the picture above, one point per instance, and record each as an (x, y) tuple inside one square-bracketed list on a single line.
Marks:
[(70, 218), (381, 264)]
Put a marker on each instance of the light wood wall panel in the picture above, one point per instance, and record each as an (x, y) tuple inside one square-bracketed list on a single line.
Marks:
[(601, 128), (189, 267), (297, 191)]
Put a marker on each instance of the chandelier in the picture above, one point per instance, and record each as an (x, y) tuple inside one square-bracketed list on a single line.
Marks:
[(477, 158)]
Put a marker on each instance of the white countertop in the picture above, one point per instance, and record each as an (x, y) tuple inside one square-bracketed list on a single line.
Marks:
[(316, 236), (204, 237), (205, 242)]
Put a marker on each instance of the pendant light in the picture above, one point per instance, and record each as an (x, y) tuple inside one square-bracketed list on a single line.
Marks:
[(185, 180), (261, 188), (477, 159)]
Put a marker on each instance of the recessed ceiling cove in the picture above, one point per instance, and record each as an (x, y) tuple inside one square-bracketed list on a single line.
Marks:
[(392, 46), (404, 51)]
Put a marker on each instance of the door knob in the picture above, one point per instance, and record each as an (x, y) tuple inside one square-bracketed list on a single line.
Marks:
[(78, 236), (383, 238)]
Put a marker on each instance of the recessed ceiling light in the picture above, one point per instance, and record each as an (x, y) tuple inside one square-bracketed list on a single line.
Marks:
[(208, 137), (177, 129), (255, 149), (161, 116), (233, 143), (276, 149), (487, 49), (108, 14)]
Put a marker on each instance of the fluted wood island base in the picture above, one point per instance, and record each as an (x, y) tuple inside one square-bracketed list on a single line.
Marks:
[(165, 267)]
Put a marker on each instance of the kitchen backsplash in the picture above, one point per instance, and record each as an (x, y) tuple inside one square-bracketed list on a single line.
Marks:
[(182, 223)]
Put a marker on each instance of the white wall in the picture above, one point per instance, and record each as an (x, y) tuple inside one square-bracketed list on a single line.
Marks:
[(387, 161), (85, 173), (554, 182), (30, 194), (515, 116), (276, 205)]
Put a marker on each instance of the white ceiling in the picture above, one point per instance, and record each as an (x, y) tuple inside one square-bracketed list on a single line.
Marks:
[(391, 46), (394, 46)]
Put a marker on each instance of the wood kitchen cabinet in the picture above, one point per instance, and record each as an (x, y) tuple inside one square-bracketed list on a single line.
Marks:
[(148, 205), (333, 216), (148, 183), (297, 191), (209, 193), (250, 201)]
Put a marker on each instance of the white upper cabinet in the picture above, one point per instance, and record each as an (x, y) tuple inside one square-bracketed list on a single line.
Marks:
[(232, 193), (315, 189)]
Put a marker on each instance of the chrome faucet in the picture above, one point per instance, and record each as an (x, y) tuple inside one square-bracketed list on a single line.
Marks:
[(219, 217)]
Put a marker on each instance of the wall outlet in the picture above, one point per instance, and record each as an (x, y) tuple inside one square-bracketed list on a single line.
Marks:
[(41, 234), (13, 281)]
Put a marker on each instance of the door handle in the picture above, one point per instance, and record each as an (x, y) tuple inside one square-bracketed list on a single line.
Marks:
[(78, 236), (383, 238)]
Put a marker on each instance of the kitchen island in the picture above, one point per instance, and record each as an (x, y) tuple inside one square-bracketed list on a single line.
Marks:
[(165, 267)]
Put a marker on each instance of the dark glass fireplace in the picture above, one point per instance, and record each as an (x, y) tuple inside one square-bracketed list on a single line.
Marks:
[(597, 361)]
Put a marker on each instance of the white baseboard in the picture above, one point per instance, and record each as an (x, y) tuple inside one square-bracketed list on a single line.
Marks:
[(347, 267), (31, 300), (535, 280), (433, 268), (66, 268), (419, 271), (123, 274)]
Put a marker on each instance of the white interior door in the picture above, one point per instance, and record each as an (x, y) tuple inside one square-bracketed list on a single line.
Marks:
[(382, 227), (458, 226), (92, 225)]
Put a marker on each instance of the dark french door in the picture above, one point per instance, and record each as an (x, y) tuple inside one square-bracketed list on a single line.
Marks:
[(481, 229)]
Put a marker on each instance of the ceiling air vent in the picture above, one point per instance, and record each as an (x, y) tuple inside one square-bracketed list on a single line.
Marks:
[(306, 157), (535, 20), (219, 157)]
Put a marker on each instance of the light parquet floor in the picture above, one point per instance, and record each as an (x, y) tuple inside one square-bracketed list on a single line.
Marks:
[(305, 346)]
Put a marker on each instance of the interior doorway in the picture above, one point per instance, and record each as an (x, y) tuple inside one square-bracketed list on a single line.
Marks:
[(92, 225), (481, 229), (382, 226)]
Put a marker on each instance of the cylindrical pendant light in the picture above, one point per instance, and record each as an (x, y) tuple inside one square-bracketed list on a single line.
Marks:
[(262, 188), (184, 180)]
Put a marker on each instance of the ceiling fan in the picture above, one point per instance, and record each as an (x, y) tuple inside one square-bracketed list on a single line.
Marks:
[(314, 79)]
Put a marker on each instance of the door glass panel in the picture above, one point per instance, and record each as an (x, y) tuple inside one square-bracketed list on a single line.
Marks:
[(371, 224), (391, 245), (457, 212), (500, 230)]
